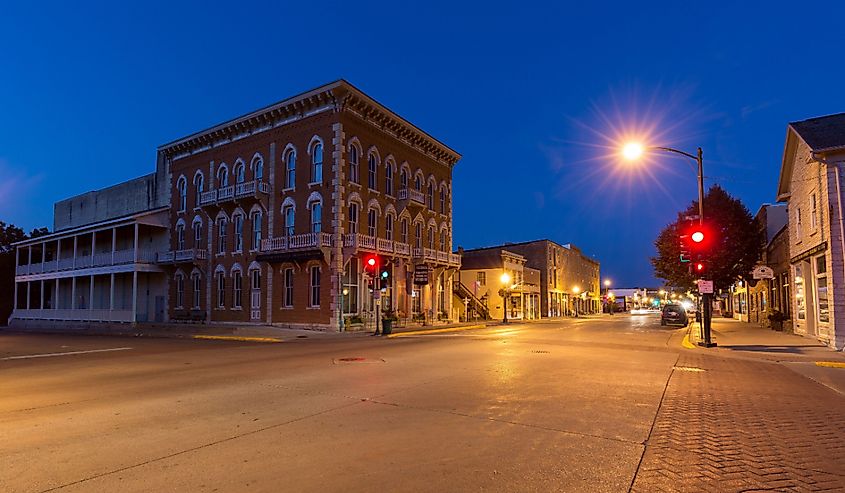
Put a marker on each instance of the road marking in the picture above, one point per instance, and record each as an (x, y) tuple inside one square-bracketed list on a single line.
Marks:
[(237, 338), (68, 353), (435, 331), (830, 364), (685, 343)]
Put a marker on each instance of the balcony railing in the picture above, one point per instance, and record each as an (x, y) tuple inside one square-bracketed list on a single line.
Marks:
[(102, 259), (208, 197), (181, 256), (81, 314), (402, 248), (373, 244), (297, 242), (410, 193), (236, 191)]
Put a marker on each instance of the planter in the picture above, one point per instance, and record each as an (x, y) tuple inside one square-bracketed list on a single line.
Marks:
[(386, 326)]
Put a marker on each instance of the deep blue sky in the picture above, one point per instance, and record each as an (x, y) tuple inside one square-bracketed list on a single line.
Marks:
[(532, 94)]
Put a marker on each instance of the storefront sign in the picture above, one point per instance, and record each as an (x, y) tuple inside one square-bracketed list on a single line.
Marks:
[(809, 253), (705, 287), (421, 273), (763, 272)]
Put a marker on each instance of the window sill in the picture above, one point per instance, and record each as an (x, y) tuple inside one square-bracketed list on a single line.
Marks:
[(237, 252), (373, 191), (315, 184), (354, 184), (286, 190), (313, 307), (222, 254), (285, 308), (237, 309)]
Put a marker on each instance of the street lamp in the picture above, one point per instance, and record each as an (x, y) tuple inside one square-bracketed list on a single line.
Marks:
[(506, 283), (633, 151), (607, 296), (575, 290)]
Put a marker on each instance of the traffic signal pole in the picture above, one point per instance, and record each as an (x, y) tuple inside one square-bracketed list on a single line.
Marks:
[(706, 298)]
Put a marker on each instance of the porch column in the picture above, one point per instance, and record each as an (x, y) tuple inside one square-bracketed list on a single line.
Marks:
[(43, 255), (29, 257), (135, 285), (75, 244), (111, 293), (135, 258), (42, 294), (28, 285), (17, 257), (73, 287), (15, 306), (113, 246), (91, 294), (56, 303), (93, 246), (58, 252)]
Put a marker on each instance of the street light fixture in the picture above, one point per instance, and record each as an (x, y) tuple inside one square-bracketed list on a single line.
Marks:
[(633, 151), (576, 290), (607, 296), (506, 283)]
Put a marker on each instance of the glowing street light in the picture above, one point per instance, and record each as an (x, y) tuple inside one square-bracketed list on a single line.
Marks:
[(576, 290), (506, 285), (632, 151)]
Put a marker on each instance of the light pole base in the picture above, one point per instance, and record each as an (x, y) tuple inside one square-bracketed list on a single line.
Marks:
[(704, 344)]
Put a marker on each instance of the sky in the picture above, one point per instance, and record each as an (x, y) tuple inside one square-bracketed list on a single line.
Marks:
[(536, 96)]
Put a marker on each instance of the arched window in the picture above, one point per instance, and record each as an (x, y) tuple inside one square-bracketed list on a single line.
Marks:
[(238, 221), (316, 217), (221, 289), (290, 162), (353, 218), (237, 289), (418, 183), (182, 189), (196, 290), (222, 176), (240, 173), (180, 290), (388, 227), (222, 225), (180, 236), (388, 179), (443, 241), (373, 168), (258, 167), (403, 231), (256, 230), (403, 180), (418, 240), (443, 200), (199, 183), (317, 163), (289, 214), (354, 176), (197, 227), (431, 238), (372, 222), (431, 196)]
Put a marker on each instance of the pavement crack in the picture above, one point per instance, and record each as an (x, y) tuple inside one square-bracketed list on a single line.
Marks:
[(200, 447)]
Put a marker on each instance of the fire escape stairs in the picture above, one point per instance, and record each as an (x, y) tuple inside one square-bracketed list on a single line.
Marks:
[(474, 303)]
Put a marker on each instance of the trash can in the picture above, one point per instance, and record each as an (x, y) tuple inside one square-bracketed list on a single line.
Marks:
[(386, 326)]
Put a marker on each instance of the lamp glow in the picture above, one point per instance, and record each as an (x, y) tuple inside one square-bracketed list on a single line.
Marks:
[(632, 151), (506, 279)]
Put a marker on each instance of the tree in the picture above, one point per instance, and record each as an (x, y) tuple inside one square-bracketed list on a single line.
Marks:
[(9, 234), (733, 250)]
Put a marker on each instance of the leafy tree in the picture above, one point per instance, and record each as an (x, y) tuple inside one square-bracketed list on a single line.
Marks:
[(9, 234), (732, 251)]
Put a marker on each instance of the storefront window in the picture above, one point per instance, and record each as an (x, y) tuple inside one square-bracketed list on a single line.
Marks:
[(800, 302), (821, 290), (350, 287)]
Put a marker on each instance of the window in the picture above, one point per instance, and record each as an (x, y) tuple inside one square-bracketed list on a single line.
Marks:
[(180, 290), (182, 188), (403, 231), (430, 196), (222, 176), (443, 200), (290, 178), (481, 278), (371, 180), (403, 180), (240, 175), (418, 235), (800, 300), (255, 274), (237, 289), (197, 234), (353, 218), (372, 223), (350, 287), (256, 231), (388, 179), (239, 232), (315, 286), (354, 176), (316, 217), (289, 214), (823, 305), (198, 187), (197, 291), (317, 163), (221, 290), (798, 223), (431, 236), (813, 213), (288, 294), (258, 167), (418, 183), (180, 236), (221, 235), (388, 227), (443, 241)]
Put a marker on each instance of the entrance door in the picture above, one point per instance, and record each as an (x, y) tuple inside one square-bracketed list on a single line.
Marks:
[(159, 316), (255, 298)]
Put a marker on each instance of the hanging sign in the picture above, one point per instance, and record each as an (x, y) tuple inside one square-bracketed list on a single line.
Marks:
[(763, 272), (421, 273)]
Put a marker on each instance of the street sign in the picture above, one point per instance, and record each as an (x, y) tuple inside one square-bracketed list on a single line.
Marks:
[(705, 287), (763, 272), (421, 274)]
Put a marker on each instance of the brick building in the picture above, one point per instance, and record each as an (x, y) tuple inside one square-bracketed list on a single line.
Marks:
[(811, 184), (268, 215), (481, 275), (569, 280)]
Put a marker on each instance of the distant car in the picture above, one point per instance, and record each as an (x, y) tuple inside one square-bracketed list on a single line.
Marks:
[(674, 314)]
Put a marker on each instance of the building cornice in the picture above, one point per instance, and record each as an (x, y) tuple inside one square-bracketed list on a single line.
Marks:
[(338, 96)]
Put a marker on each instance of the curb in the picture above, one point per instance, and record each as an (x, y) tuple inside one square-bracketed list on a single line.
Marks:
[(236, 338), (435, 331)]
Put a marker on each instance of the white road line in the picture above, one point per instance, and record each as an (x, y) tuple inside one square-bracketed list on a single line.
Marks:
[(49, 355)]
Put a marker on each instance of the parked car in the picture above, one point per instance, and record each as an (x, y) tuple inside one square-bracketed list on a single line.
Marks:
[(674, 314)]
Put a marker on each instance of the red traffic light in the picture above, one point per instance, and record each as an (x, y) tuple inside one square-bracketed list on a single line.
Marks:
[(371, 261), (697, 236), (699, 267)]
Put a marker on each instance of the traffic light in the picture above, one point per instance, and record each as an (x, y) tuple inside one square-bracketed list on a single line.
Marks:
[(699, 268), (370, 270), (386, 272), (683, 243)]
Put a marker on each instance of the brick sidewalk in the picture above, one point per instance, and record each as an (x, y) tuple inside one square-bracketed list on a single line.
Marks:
[(743, 425)]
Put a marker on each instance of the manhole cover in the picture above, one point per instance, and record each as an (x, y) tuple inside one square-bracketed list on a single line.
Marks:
[(539, 351), (356, 359), (302, 337), (688, 368)]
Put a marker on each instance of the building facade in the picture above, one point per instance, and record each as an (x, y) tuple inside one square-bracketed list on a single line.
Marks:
[(811, 184), (269, 215), (484, 272)]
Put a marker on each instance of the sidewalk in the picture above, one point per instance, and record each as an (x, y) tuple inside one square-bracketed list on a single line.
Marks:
[(747, 339)]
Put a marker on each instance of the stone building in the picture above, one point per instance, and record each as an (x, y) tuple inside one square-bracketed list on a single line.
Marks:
[(266, 218), (811, 184)]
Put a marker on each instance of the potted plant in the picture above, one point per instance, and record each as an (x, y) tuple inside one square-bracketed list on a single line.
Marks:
[(776, 319), (353, 322), (387, 319)]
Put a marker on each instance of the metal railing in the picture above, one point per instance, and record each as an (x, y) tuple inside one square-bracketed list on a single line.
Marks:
[(410, 193), (297, 242), (236, 191), (182, 255), (102, 259), (81, 314)]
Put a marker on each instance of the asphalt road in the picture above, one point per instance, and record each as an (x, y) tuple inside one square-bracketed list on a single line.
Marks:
[(552, 406)]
